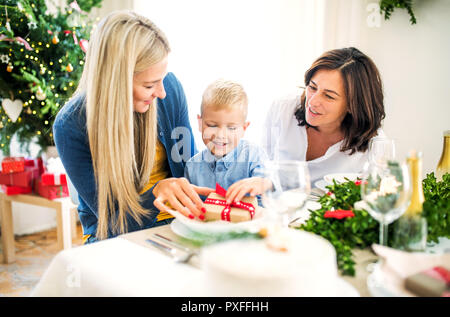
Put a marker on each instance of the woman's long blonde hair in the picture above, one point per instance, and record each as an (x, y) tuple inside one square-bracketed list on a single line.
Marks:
[(122, 142)]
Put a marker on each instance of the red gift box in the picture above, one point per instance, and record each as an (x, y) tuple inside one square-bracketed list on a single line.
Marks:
[(37, 162), (16, 190), (23, 179), (51, 192), (13, 164), (53, 179)]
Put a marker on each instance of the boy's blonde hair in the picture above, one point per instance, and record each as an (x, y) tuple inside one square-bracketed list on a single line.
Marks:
[(122, 142), (224, 94)]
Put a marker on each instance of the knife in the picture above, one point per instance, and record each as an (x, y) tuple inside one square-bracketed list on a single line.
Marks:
[(172, 243), (160, 246)]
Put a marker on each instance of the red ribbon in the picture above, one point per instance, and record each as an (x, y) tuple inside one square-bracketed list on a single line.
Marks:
[(226, 211), (439, 273)]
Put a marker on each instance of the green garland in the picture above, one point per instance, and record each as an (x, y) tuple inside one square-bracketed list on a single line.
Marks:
[(361, 231), (436, 207)]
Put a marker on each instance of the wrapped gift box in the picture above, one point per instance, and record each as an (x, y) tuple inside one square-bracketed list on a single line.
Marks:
[(16, 190), (13, 164), (23, 179), (434, 282), (217, 209), (53, 179), (37, 162), (51, 192)]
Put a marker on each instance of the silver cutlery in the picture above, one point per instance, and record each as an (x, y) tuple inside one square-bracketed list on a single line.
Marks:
[(179, 256), (172, 243)]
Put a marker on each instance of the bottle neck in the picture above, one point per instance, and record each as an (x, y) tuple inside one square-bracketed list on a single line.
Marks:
[(417, 197), (444, 162)]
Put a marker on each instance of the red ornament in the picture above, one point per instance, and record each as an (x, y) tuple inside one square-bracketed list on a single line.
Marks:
[(338, 214), (84, 44)]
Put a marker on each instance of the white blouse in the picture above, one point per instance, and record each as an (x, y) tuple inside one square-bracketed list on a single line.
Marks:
[(284, 139)]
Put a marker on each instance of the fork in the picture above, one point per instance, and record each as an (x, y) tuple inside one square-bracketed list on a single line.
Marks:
[(179, 256)]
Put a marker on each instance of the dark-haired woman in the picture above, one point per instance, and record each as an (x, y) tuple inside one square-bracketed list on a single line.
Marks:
[(332, 122)]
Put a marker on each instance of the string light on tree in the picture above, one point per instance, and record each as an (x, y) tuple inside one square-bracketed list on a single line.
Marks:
[(33, 42)]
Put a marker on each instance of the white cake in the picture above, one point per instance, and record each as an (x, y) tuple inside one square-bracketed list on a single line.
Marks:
[(256, 268)]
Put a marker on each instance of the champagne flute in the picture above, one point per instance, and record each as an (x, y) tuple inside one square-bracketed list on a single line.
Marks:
[(385, 191), (291, 187)]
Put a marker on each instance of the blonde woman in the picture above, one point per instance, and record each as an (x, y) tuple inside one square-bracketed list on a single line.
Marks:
[(125, 136)]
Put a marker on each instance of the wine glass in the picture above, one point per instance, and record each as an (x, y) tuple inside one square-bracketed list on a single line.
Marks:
[(290, 188), (385, 190), (381, 150)]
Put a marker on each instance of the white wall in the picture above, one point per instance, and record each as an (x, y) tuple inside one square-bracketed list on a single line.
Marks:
[(263, 44), (414, 62), (267, 45)]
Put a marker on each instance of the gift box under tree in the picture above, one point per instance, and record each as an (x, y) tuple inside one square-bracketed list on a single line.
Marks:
[(16, 190), (53, 179), (51, 191), (21, 182), (13, 164), (37, 162), (53, 183)]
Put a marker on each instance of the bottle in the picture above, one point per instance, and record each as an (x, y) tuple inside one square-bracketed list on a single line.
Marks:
[(410, 230), (443, 166), (415, 171)]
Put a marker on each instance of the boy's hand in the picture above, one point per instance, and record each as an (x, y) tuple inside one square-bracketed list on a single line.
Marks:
[(253, 186)]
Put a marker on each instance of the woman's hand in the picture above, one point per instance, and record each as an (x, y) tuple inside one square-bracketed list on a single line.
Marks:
[(253, 186), (181, 195)]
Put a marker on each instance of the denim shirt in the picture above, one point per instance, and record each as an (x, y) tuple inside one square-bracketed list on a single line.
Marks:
[(72, 142), (246, 160)]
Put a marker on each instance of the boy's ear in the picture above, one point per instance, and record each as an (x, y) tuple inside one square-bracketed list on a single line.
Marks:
[(246, 124), (199, 120)]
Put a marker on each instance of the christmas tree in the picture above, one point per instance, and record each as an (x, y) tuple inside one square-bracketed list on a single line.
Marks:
[(41, 61)]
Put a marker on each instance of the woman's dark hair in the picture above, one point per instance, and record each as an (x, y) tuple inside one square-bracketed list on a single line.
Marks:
[(364, 93)]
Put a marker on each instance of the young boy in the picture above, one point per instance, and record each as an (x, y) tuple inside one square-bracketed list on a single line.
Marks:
[(229, 160)]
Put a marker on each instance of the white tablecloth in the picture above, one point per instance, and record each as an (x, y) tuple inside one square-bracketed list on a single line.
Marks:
[(116, 267)]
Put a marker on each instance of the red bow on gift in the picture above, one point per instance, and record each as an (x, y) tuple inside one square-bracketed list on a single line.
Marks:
[(226, 211)]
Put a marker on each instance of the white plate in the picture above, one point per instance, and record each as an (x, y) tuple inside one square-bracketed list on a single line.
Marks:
[(181, 230), (219, 226), (321, 185), (340, 177)]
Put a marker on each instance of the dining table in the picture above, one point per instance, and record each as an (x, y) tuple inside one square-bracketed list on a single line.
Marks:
[(128, 265)]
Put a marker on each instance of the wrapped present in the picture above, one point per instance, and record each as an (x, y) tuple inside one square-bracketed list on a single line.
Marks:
[(16, 190), (23, 179), (52, 191), (13, 164), (53, 179), (433, 282), (55, 173), (218, 209), (37, 162)]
